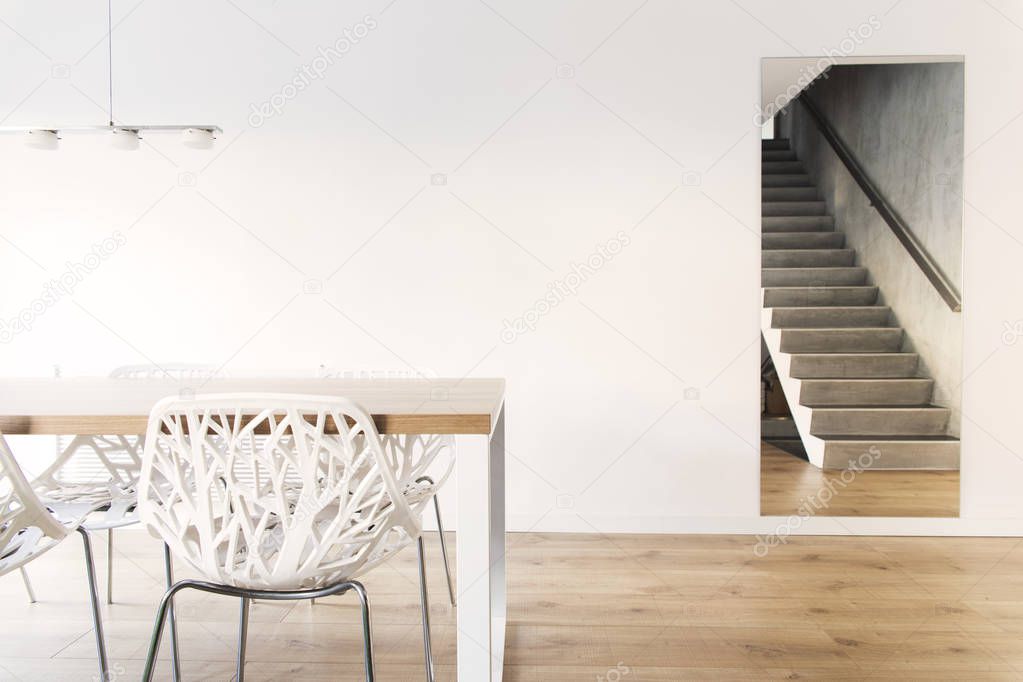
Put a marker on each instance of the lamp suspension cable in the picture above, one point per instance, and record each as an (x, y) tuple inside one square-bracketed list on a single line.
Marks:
[(110, 60)]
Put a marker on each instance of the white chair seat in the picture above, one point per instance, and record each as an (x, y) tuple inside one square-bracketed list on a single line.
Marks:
[(97, 513), (22, 547)]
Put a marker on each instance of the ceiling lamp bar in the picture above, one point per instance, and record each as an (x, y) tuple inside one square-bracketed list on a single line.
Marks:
[(123, 136)]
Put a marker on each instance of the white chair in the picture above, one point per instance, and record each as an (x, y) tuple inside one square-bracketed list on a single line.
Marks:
[(219, 487), (28, 529)]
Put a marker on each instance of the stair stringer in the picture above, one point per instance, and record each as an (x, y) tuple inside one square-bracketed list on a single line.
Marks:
[(801, 414)]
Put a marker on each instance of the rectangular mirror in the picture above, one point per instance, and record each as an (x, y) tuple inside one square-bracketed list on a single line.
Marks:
[(861, 269)]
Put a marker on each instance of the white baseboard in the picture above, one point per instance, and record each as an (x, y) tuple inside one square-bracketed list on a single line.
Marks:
[(767, 525)]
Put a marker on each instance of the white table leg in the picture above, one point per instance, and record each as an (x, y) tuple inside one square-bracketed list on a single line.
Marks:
[(482, 599)]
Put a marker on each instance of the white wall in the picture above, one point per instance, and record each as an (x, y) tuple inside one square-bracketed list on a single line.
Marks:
[(652, 134)]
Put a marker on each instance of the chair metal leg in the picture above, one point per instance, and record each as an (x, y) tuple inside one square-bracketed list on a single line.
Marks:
[(154, 642), (28, 586), (110, 565), (444, 551), (424, 603), (367, 629), (175, 659), (243, 635), (97, 621), (247, 595), (443, 542)]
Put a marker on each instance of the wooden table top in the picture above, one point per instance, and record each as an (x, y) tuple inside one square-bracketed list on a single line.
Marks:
[(109, 406)]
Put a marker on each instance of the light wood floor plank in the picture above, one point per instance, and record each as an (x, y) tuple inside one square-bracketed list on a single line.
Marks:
[(582, 607)]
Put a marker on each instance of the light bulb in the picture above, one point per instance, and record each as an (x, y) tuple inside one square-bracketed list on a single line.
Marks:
[(198, 138), (126, 139), (42, 139)]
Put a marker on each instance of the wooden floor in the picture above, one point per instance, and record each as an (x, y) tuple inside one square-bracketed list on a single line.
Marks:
[(618, 608), (787, 482)]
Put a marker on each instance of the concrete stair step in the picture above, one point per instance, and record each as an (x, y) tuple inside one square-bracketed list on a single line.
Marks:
[(807, 258), (797, 223), (830, 317), (786, 180), (791, 208), (788, 194), (774, 144), (812, 277), (781, 167), (777, 155), (870, 452), (842, 340), (865, 392), (880, 421), (802, 240), (853, 365), (791, 296)]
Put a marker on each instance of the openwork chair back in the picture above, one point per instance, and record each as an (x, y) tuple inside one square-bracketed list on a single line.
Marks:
[(417, 456), (27, 528), (412, 456), (102, 468), (275, 492)]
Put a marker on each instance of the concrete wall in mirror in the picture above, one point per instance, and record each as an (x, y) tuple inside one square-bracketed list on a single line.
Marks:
[(861, 276)]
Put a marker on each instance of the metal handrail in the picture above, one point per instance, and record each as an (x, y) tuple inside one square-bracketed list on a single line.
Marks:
[(916, 249)]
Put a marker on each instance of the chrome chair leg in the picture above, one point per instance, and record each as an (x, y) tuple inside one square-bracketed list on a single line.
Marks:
[(243, 635), (28, 586), (367, 629), (424, 603), (340, 588), (443, 542), (175, 656), (97, 621), (154, 642), (444, 551), (110, 565)]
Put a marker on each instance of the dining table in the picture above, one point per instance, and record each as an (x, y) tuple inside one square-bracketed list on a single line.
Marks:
[(470, 409)]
